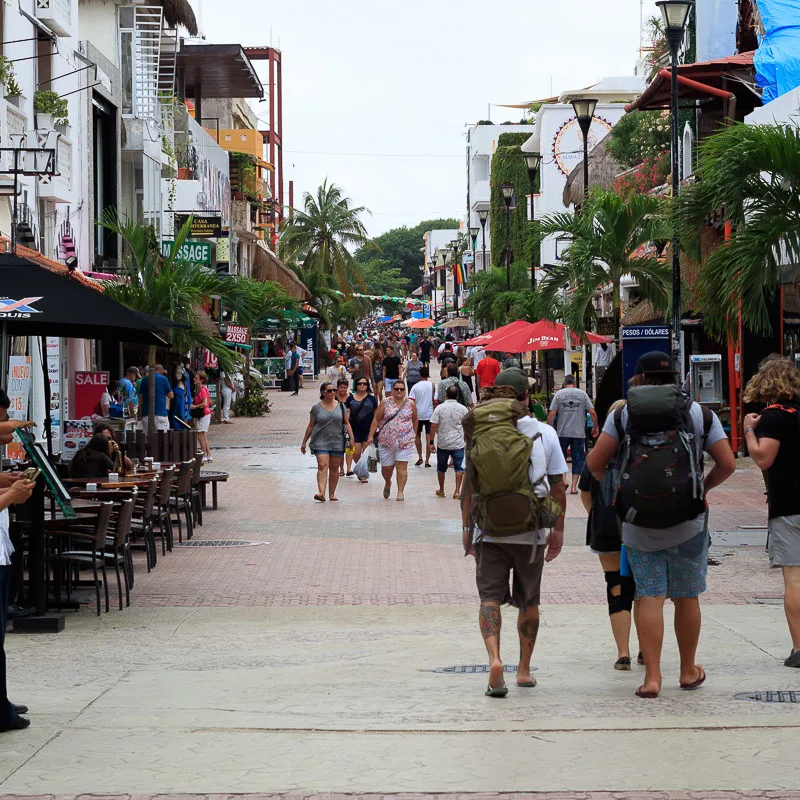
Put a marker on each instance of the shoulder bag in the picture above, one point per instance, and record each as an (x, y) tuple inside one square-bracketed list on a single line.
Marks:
[(388, 420), (347, 443)]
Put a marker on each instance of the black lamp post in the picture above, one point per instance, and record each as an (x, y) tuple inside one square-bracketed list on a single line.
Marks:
[(675, 14), (483, 215), (584, 111), (473, 235), (508, 195), (533, 161)]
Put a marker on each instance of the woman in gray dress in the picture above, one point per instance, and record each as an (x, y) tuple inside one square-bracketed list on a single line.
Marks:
[(329, 422)]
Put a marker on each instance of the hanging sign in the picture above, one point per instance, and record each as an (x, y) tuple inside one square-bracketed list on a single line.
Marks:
[(237, 334), (210, 360), (202, 227), (19, 386), (197, 252)]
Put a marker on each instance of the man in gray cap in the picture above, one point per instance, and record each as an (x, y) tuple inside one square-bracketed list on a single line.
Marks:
[(523, 553)]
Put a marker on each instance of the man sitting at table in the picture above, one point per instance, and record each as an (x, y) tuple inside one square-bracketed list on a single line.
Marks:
[(104, 429), (93, 460), (13, 490)]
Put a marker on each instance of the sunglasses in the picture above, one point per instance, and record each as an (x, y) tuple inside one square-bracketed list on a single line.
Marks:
[(362, 383), (400, 389), (330, 391)]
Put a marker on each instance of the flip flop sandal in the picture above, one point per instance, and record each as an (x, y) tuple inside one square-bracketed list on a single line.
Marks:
[(646, 695), (500, 691), (333, 499), (428, 466), (387, 490), (400, 498), (527, 684), (701, 678), (320, 498), (623, 663), (439, 494), (640, 659), (419, 463), (456, 496)]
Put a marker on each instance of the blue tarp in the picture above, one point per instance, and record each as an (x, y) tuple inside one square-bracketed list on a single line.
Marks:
[(777, 60), (384, 319)]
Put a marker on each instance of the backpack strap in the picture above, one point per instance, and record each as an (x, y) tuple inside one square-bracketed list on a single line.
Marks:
[(708, 421), (618, 423)]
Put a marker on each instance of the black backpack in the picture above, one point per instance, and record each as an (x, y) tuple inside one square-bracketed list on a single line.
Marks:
[(660, 465)]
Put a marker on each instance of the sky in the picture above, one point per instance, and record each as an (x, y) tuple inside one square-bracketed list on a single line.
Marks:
[(377, 95)]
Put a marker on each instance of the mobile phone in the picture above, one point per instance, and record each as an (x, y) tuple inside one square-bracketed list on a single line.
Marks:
[(31, 474)]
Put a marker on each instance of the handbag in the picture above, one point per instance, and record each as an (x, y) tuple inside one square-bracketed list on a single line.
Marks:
[(347, 443), (387, 421), (197, 413)]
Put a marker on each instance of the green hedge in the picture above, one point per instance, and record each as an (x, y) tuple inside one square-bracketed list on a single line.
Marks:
[(508, 166)]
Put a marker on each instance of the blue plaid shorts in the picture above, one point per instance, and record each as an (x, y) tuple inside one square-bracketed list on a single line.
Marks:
[(676, 572)]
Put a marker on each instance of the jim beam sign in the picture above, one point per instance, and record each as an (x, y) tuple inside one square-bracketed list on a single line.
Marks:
[(207, 227)]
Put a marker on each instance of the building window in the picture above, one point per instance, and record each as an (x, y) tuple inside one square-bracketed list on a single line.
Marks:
[(125, 27)]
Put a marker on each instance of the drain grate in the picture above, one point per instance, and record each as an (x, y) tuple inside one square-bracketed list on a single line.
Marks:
[(216, 543), (770, 697), (471, 669)]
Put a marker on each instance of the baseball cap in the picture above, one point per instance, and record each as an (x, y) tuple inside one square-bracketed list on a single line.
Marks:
[(653, 363), (515, 378), (132, 369)]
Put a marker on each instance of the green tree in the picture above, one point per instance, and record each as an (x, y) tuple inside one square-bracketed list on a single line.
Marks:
[(401, 248), (319, 236), (172, 289), (381, 278), (325, 298), (746, 175), (605, 237)]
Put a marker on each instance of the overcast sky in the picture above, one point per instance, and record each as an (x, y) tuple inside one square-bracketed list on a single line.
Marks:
[(376, 95)]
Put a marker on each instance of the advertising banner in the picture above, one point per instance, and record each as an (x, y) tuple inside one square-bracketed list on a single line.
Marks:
[(19, 387), (237, 334), (77, 433), (89, 388), (56, 400), (197, 252)]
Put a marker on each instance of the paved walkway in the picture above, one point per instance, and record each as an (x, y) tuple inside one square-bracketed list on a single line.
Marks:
[(328, 655)]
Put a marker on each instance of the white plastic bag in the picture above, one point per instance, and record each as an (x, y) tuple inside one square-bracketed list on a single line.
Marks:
[(372, 458), (362, 466)]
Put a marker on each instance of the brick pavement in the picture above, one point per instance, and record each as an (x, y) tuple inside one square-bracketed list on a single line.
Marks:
[(368, 551)]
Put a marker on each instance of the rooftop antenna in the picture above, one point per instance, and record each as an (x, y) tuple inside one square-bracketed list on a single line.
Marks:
[(201, 31)]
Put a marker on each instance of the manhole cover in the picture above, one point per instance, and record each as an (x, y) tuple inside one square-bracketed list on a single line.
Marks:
[(770, 697), (216, 543), (471, 669)]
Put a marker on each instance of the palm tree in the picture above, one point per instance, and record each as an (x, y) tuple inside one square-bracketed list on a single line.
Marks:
[(746, 175), (324, 296), (605, 237), (318, 237), (171, 289), (490, 302)]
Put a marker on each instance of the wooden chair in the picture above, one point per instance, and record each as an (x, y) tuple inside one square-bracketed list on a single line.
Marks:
[(163, 515), (117, 551), (197, 502), (143, 523), (96, 539), (181, 500)]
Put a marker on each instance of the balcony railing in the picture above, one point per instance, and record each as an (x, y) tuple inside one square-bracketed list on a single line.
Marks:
[(56, 14)]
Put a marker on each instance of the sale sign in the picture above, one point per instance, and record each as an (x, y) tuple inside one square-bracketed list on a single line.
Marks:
[(19, 386), (237, 334), (89, 388)]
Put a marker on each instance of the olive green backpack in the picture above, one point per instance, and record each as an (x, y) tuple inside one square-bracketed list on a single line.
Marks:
[(504, 502)]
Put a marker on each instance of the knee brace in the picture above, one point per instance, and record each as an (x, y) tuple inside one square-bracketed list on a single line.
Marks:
[(624, 600)]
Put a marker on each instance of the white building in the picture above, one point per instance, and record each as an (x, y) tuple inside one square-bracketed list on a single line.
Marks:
[(481, 145), (438, 284), (558, 138)]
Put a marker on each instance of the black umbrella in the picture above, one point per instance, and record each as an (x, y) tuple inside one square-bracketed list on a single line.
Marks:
[(35, 301)]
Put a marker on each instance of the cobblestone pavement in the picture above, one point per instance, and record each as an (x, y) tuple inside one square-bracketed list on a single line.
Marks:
[(321, 661)]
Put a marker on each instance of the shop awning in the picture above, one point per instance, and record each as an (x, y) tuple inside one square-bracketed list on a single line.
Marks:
[(218, 70)]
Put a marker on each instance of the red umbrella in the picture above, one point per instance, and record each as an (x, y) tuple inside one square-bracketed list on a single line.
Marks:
[(542, 335), (486, 339), (591, 338), (421, 323)]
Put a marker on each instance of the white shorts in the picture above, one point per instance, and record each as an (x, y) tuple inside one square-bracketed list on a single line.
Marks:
[(201, 423), (162, 423), (389, 455)]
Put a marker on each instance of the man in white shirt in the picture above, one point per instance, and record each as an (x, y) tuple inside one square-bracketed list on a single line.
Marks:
[(447, 427), (13, 490), (497, 557), (423, 393)]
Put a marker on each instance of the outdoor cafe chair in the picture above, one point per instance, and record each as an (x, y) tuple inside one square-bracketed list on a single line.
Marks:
[(197, 502), (143, 523), (117, 550), (181, 500), (95, 537), (163, 514)]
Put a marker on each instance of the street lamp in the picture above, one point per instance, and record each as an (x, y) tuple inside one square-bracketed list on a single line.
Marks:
[(675, 14), (533, 161), (584, 111), (483, 215), (508, 195), (473, 235)]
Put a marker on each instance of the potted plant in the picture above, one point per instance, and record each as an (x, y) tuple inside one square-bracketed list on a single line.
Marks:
[(8, 78), (51, 110)]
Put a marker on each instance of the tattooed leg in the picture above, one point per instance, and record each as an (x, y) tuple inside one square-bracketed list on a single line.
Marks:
[(528, 628), (490, 622)]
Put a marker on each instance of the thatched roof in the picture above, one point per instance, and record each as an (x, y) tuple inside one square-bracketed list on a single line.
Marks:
[(268, 267), (179, 12), (602, 171), (641, 313)]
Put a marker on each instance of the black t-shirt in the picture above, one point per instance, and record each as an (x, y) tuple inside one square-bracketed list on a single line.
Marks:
[(447, 358), (425, 349), (783, 477), (603, 528), (392, 366)]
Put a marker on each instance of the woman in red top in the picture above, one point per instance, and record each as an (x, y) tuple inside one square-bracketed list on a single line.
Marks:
[(202, 400)]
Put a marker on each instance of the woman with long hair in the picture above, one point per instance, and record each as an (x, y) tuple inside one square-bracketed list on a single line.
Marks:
[(773, 439), (327, 425), (362, 406), (94, 460), (200, 409)]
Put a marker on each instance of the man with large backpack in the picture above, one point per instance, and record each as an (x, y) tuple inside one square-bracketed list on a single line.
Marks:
[(513, 494), (659, 439)]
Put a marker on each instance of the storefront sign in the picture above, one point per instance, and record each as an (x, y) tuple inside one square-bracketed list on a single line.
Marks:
[(237, 334), (89, 388), (54, 373), (196, 252), (645, 332), (19, 386), (202, 227), (223, 250), (77, 433), (210, 360), (212, 393)]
